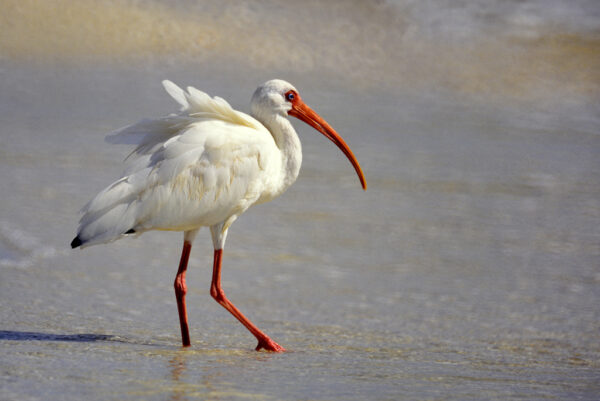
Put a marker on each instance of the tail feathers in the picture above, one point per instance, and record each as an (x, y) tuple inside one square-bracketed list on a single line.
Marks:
[(110, 215), (106, 225), (76, 242)]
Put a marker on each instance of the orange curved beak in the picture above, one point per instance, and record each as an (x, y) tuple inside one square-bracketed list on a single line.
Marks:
[(302, 112)]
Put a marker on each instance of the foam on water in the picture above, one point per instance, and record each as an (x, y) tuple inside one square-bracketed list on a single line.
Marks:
[(21, 249), (529, 50)]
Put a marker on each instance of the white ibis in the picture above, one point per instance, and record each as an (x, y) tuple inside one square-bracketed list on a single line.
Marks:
[(204, 166)]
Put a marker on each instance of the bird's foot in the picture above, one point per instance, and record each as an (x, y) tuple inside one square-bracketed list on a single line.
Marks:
[(269, 345)]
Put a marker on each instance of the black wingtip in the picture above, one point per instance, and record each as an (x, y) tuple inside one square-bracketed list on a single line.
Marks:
[(76, 242)]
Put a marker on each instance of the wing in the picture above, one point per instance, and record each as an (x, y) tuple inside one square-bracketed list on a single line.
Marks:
[(149, 135), (200, 167)]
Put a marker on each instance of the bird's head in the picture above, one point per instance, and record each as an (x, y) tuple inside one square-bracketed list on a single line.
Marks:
[(270, 98), (278, 97)]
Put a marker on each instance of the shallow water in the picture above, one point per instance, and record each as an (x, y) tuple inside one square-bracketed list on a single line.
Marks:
[(468, 270)]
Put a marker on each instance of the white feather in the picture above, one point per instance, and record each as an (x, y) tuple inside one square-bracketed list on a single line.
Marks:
[(176, 93)]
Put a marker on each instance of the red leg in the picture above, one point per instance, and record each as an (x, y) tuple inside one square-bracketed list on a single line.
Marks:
[(217, 293), (180, 291)]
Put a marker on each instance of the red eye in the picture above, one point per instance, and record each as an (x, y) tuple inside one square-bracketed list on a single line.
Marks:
[(290, 96)]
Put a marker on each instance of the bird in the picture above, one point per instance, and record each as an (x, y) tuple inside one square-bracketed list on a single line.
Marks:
[(204, 166)]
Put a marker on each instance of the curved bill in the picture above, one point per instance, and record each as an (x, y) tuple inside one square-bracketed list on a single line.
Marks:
[(301, 111)]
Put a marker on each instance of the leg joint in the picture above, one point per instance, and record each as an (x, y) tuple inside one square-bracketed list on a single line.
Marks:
[(180, 287), (217, 293)]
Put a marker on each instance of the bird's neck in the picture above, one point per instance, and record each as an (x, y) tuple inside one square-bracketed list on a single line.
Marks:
[(289, 145)]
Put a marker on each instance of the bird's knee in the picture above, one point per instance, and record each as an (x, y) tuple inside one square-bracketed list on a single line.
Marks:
[(217, 293), (180, 288)]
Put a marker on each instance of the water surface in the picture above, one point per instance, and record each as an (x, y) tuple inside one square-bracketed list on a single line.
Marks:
[(468, 270)]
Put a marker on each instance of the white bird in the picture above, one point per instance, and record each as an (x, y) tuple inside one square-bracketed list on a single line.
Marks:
[(204, 166)]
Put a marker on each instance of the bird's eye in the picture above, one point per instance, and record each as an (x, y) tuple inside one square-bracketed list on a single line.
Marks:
[(290, 96)]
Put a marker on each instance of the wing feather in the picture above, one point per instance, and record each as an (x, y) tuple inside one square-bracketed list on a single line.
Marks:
[(196, 106), (176, 93)]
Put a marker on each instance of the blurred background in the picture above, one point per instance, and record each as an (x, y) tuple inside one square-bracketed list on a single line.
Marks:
[(468, 270)]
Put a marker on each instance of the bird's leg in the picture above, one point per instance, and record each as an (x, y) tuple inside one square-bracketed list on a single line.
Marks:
[(180, 291), (217, 293)]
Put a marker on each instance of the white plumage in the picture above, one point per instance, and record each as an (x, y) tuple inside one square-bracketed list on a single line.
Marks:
[(200, 167), (204, 166)]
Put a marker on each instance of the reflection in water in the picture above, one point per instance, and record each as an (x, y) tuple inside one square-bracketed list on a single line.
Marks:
[(210, 374), (177, 366)]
